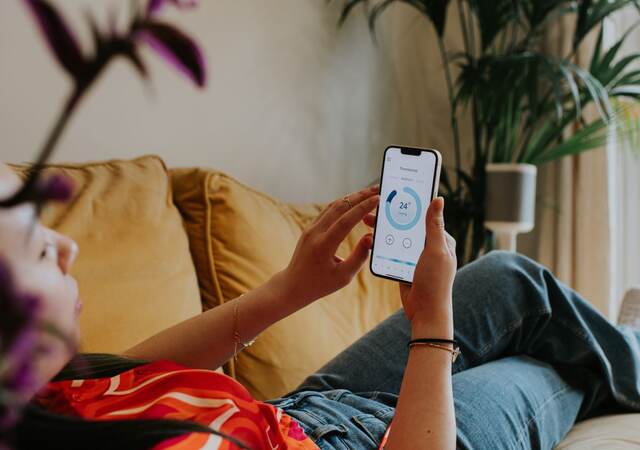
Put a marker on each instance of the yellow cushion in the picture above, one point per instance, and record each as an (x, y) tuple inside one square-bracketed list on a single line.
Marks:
[(239, 238), (134, 269)]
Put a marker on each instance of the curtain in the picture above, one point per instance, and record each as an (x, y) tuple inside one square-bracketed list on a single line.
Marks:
[(573, 221), (624, 168)]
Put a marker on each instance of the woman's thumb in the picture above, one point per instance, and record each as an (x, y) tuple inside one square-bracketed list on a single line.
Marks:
[(435, 223), (358, 256)]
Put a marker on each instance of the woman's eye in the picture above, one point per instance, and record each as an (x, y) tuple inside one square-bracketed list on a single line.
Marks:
[(49, 251)]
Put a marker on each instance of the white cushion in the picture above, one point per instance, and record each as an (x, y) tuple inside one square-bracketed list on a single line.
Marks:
[(614, 432)]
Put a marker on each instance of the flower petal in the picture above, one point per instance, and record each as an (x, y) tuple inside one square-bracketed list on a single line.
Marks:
[(134, 58), (59, 36), (57, 188), (176, 48), (155, 6)]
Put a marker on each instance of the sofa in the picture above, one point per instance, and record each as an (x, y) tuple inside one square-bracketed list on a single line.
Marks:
[(160, 245)]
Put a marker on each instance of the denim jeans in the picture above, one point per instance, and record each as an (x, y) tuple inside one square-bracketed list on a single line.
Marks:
[(536, 358)]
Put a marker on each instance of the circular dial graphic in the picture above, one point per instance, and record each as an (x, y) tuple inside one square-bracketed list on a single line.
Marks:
[(403, 209)]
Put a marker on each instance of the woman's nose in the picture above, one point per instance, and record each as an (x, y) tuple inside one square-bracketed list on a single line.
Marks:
[(67, 252)]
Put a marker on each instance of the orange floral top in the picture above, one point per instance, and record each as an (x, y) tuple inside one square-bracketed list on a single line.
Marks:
[(167, 390)]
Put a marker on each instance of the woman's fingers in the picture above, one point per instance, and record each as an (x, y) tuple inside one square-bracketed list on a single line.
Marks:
[(339, 207), (322, 213), (358, 256), (370, 220), (343, 226)]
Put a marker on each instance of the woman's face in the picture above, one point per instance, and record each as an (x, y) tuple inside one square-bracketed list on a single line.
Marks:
[(40, 260)]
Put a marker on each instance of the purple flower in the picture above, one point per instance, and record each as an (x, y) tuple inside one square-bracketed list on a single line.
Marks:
[(59, 36), (18, 343), (22, 343), (57, 188), (16, 309), (155, 6), (170, 43), (176, 48), (23, 380)]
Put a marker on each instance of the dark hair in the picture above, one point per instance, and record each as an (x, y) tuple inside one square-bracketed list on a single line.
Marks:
[(43, 429)]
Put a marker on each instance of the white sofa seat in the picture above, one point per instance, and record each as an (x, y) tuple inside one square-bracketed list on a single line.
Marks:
[(615, 432)]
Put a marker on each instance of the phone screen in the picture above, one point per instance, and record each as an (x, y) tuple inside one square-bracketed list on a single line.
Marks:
[(408, 183)]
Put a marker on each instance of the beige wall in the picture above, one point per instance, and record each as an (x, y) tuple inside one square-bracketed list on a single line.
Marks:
[(294, 106)]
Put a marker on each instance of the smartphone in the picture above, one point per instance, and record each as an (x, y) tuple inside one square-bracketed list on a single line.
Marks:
[(409, 181)]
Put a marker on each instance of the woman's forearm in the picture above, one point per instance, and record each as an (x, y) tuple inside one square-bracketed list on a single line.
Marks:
[(314, 271), (206, 340), (425, 417)]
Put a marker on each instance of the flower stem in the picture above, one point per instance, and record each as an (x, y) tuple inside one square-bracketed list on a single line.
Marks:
[(60, 125), (49, 146)]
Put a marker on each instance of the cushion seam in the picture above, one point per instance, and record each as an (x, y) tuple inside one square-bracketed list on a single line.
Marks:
[(97, 163), (276, 202), (212, 263), (229, 366)]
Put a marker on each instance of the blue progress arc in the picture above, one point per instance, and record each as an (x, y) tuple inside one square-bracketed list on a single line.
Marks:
[(387, 209)]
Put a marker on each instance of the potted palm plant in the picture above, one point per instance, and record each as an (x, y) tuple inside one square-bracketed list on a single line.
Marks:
[(541, 116)]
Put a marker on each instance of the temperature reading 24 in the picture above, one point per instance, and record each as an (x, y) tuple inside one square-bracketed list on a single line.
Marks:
[(403, 208)]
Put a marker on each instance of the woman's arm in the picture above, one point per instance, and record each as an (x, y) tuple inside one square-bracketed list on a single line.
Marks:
[(424, 417), (206, 341)]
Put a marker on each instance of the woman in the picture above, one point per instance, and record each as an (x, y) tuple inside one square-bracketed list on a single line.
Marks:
[(535, 356)]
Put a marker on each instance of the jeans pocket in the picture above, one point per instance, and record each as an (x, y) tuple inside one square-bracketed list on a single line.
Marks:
[(370, 426), (330, 437), (292, 400)]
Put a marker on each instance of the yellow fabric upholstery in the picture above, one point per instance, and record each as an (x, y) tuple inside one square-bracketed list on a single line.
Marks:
[(134, 269), (239, 238), (137, 276)]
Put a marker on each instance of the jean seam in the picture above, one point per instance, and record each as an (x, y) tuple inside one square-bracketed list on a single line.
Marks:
[(537, 413), (385, 414), (284, 402), (585, 337), (336, 394), (365, 430), (507, 330), (314, 416), (323, 422)]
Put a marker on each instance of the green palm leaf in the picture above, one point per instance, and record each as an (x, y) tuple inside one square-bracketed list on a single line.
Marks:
[(591, 14)]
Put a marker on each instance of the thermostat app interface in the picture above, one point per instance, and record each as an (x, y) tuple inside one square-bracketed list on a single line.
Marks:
[(406, 190)]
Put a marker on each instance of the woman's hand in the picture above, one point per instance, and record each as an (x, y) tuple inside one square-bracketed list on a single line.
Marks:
[(315, 270), (427, 301)]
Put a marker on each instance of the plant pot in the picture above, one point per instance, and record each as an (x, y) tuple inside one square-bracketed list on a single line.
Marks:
[(510, 201)]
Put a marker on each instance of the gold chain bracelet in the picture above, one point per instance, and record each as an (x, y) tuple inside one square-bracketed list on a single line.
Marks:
[(455, 351), (236, 332)]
